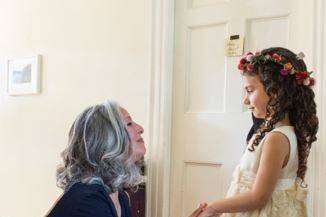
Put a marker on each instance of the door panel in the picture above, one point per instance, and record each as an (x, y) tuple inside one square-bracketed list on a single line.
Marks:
[(209, 121)]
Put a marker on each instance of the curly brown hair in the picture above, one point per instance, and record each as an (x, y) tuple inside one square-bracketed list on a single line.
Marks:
[(287, 97)]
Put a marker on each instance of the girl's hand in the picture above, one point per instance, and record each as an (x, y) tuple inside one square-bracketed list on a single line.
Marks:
[(209, 212), (199, 210)]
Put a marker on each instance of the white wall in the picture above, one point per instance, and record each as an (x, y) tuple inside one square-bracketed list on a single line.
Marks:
[(92, 50)]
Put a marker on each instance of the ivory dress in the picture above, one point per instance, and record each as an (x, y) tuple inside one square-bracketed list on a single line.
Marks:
[(288, 198)]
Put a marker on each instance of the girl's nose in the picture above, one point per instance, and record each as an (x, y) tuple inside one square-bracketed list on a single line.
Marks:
[(245, 100)]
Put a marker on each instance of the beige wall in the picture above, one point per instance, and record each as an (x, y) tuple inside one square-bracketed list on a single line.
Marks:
[(92, 50)]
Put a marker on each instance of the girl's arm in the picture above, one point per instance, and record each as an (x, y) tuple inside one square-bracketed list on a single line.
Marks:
[(200, 208), (276, 148)]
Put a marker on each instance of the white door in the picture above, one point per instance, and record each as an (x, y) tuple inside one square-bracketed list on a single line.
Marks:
[(209, 121)]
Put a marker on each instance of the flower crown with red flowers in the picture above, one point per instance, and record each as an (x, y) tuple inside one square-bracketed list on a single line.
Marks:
[(302, 77)]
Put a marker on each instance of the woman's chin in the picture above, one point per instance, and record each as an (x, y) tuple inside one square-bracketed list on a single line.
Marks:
[(139, 155)]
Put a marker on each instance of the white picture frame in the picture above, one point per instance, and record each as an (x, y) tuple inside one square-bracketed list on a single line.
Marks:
[(23, 76)]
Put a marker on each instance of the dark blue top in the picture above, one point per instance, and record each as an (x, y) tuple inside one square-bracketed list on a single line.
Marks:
[(89, 200)]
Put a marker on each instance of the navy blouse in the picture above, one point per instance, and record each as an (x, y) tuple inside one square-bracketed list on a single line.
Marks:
[(89, 200)]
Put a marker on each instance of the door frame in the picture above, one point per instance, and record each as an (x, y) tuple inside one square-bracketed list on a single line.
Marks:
[(160, 109), (318, 161)]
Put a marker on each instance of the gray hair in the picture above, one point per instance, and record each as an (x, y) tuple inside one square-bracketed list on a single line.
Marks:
[(99, 150)]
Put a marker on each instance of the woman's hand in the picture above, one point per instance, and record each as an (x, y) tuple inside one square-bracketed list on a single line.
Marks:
[(199, 210)]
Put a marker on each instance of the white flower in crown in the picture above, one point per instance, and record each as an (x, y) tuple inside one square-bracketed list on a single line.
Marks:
[(249, 57), (300, 56), (257, 53)]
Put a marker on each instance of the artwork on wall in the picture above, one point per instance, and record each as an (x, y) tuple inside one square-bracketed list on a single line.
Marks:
[(24, 76)]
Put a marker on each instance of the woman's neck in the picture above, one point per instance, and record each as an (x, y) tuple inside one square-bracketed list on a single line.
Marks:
[(115, 199), (284, 122)]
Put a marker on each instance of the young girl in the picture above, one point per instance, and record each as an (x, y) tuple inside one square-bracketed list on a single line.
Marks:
[(268, 182)]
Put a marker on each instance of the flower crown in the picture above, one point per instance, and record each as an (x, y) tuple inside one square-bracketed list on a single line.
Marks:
[(302, 77)]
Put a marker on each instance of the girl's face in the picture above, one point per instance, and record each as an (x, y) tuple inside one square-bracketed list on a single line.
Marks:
[(135, 131), (256, 98)]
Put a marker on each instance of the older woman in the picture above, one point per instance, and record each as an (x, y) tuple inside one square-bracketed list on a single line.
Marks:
[(104, 148)]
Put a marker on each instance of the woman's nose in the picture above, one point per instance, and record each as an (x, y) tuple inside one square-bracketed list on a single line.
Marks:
[(140, 129)]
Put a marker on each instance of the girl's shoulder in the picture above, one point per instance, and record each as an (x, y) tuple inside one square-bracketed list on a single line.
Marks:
[(281, 133), (284, 135), (285, 128), (277, 141), (287, 131)]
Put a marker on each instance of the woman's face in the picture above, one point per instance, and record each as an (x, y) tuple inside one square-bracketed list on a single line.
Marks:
[(135, 131), (256, 98)]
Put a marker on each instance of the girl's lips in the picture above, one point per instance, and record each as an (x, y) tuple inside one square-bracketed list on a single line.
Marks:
[(140, 140)]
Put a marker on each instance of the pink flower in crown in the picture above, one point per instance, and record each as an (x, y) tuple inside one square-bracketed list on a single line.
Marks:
[(249, 53), (306, 82), (243, 61), (284, 72), (276, 57), (241, 66), (249, 57), (250, 67), (312, 81)]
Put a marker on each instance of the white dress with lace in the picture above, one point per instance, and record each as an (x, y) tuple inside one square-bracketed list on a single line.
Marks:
[(288, 198)]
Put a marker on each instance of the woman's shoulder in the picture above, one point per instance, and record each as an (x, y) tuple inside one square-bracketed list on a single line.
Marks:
[(84, 200), (84, 189), (89, 193)]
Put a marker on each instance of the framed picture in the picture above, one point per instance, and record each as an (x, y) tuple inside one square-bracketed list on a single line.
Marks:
[(24, 75)]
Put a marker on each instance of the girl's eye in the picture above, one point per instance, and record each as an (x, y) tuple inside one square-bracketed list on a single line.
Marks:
[(129, 124), (249, 91)]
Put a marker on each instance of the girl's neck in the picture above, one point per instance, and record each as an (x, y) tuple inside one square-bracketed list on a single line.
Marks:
[(284, 122)]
